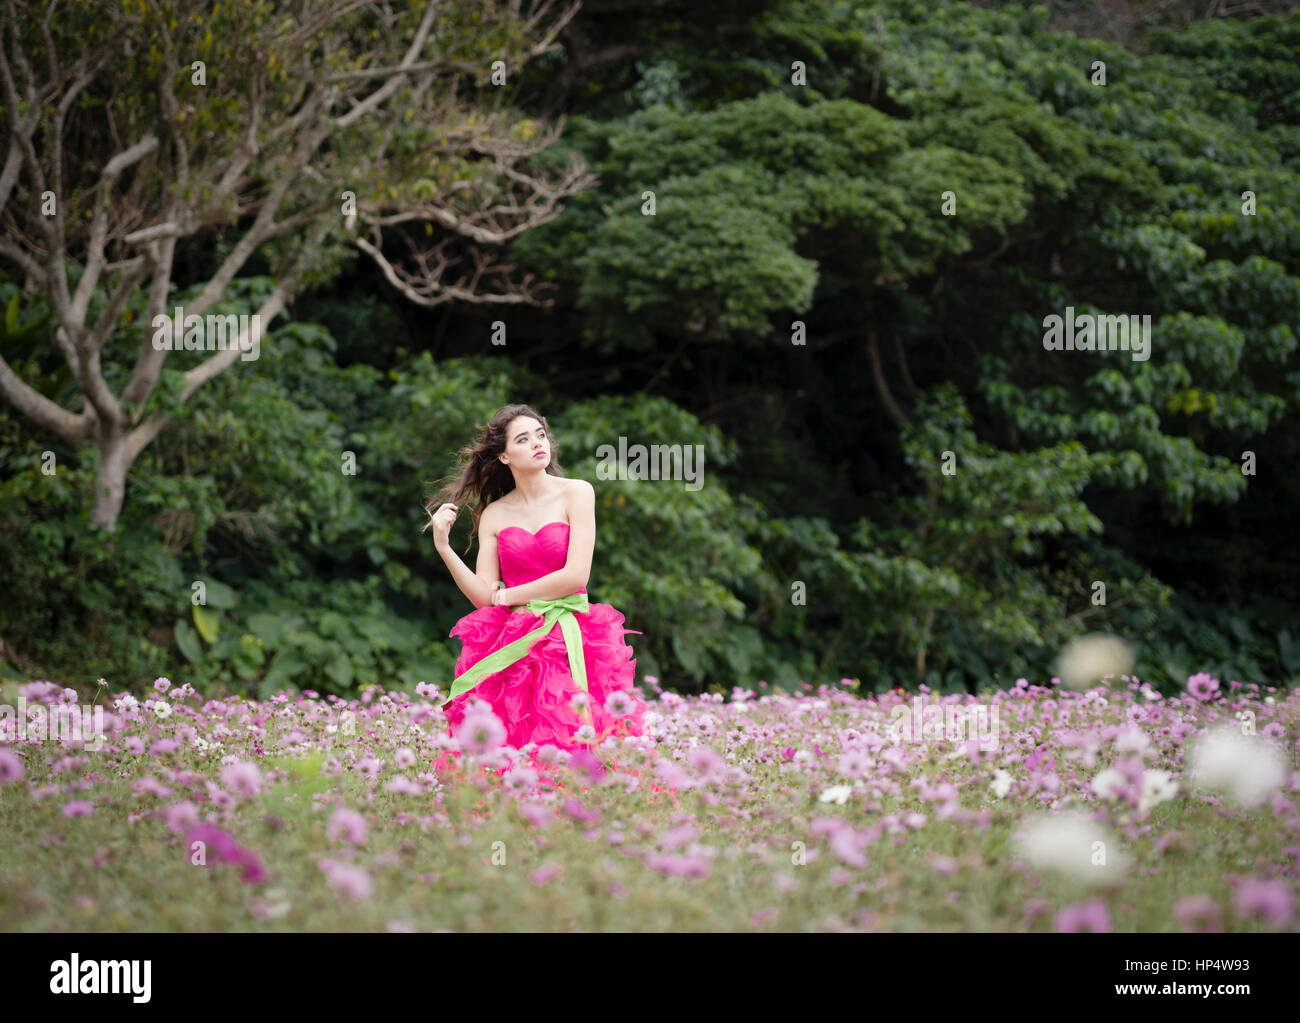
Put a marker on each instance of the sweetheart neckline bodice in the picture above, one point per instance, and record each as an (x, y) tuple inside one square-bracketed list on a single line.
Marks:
[(533, 532)]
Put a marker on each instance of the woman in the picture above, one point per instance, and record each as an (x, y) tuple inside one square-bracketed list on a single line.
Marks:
[(535, 642)]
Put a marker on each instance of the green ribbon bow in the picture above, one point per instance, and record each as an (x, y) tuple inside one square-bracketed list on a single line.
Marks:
[(559, 609)]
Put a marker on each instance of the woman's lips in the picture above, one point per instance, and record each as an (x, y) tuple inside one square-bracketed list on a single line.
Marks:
[(540, 454)]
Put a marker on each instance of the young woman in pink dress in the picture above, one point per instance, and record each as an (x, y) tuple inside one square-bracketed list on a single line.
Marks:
[(535, 642)]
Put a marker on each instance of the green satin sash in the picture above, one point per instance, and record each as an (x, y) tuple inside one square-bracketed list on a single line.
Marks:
[(559, 609)]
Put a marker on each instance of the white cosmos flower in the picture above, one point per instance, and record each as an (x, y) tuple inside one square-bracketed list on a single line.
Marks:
[(1244, 767), (1132, 740), (163, 710), (835, 794), (1108, 783), (1001, 783), (1073, 844), (1157, 786)]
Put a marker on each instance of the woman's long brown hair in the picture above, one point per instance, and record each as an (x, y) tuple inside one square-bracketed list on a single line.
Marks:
[(481, 478)]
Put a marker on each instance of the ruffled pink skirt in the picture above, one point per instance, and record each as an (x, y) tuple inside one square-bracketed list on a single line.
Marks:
[(532, 696)]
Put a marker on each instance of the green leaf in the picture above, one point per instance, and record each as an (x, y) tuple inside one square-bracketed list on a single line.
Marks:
[(219, 594), (268, 628), (208, 622), (339, 669), (188, 641)]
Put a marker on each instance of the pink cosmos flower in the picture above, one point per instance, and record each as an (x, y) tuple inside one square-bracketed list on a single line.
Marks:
[(823, 826), (77, 808), (480, 733), (1084, 916), (619, 704), (544, 873), (853, 764), (574, 809), (348, 825), (351, 881), (704, 760), (403, 786), (1271, 900), (227, 850), (151, 786), (588, 765), (11, 768), (537, 814), (674, 837), (161, 685), (1198, 913), (521, 779), (847, 845), (1203, 686), (180, 816), (242, 778)]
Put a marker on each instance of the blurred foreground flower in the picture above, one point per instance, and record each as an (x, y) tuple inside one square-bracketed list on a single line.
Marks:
[(1072, 844), (1084, 661), (1245, 767)]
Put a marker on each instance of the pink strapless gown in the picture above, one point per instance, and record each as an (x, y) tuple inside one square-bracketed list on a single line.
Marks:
[(531, 697)]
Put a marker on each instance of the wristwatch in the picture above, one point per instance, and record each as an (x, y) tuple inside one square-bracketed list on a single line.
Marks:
[(501, 585)]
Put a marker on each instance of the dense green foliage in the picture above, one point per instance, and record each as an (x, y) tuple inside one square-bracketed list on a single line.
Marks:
[(828, 539)]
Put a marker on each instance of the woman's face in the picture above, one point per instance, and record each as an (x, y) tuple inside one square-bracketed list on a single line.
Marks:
[(526, 440)]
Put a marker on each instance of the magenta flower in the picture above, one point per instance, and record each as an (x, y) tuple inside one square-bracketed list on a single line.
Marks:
[(537, 814), (1084, 916), (11, 768), (1203, 686), (348, 825), (77, 808), (545, 873), (853, 764), (480, 733), (1198, 913), (243, 778), (619, 704), (1271, 900), (351, 881), (588, 765), (574, 809), (227, 850), (848, 845), (704, 760), (943, 865), (181, 816), (674, 837), (521, 779), (161, 685)]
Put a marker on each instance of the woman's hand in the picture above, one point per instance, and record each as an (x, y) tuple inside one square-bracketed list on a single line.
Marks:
[(441, 521)]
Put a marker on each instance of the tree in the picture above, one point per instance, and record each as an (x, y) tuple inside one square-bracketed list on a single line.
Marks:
[(297, 134)]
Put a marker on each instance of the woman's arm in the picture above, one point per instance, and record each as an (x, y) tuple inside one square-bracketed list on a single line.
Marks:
[(478, 585), (577, 567)]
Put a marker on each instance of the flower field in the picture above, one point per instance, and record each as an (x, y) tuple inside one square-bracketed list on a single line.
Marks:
[(1038, 808)]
